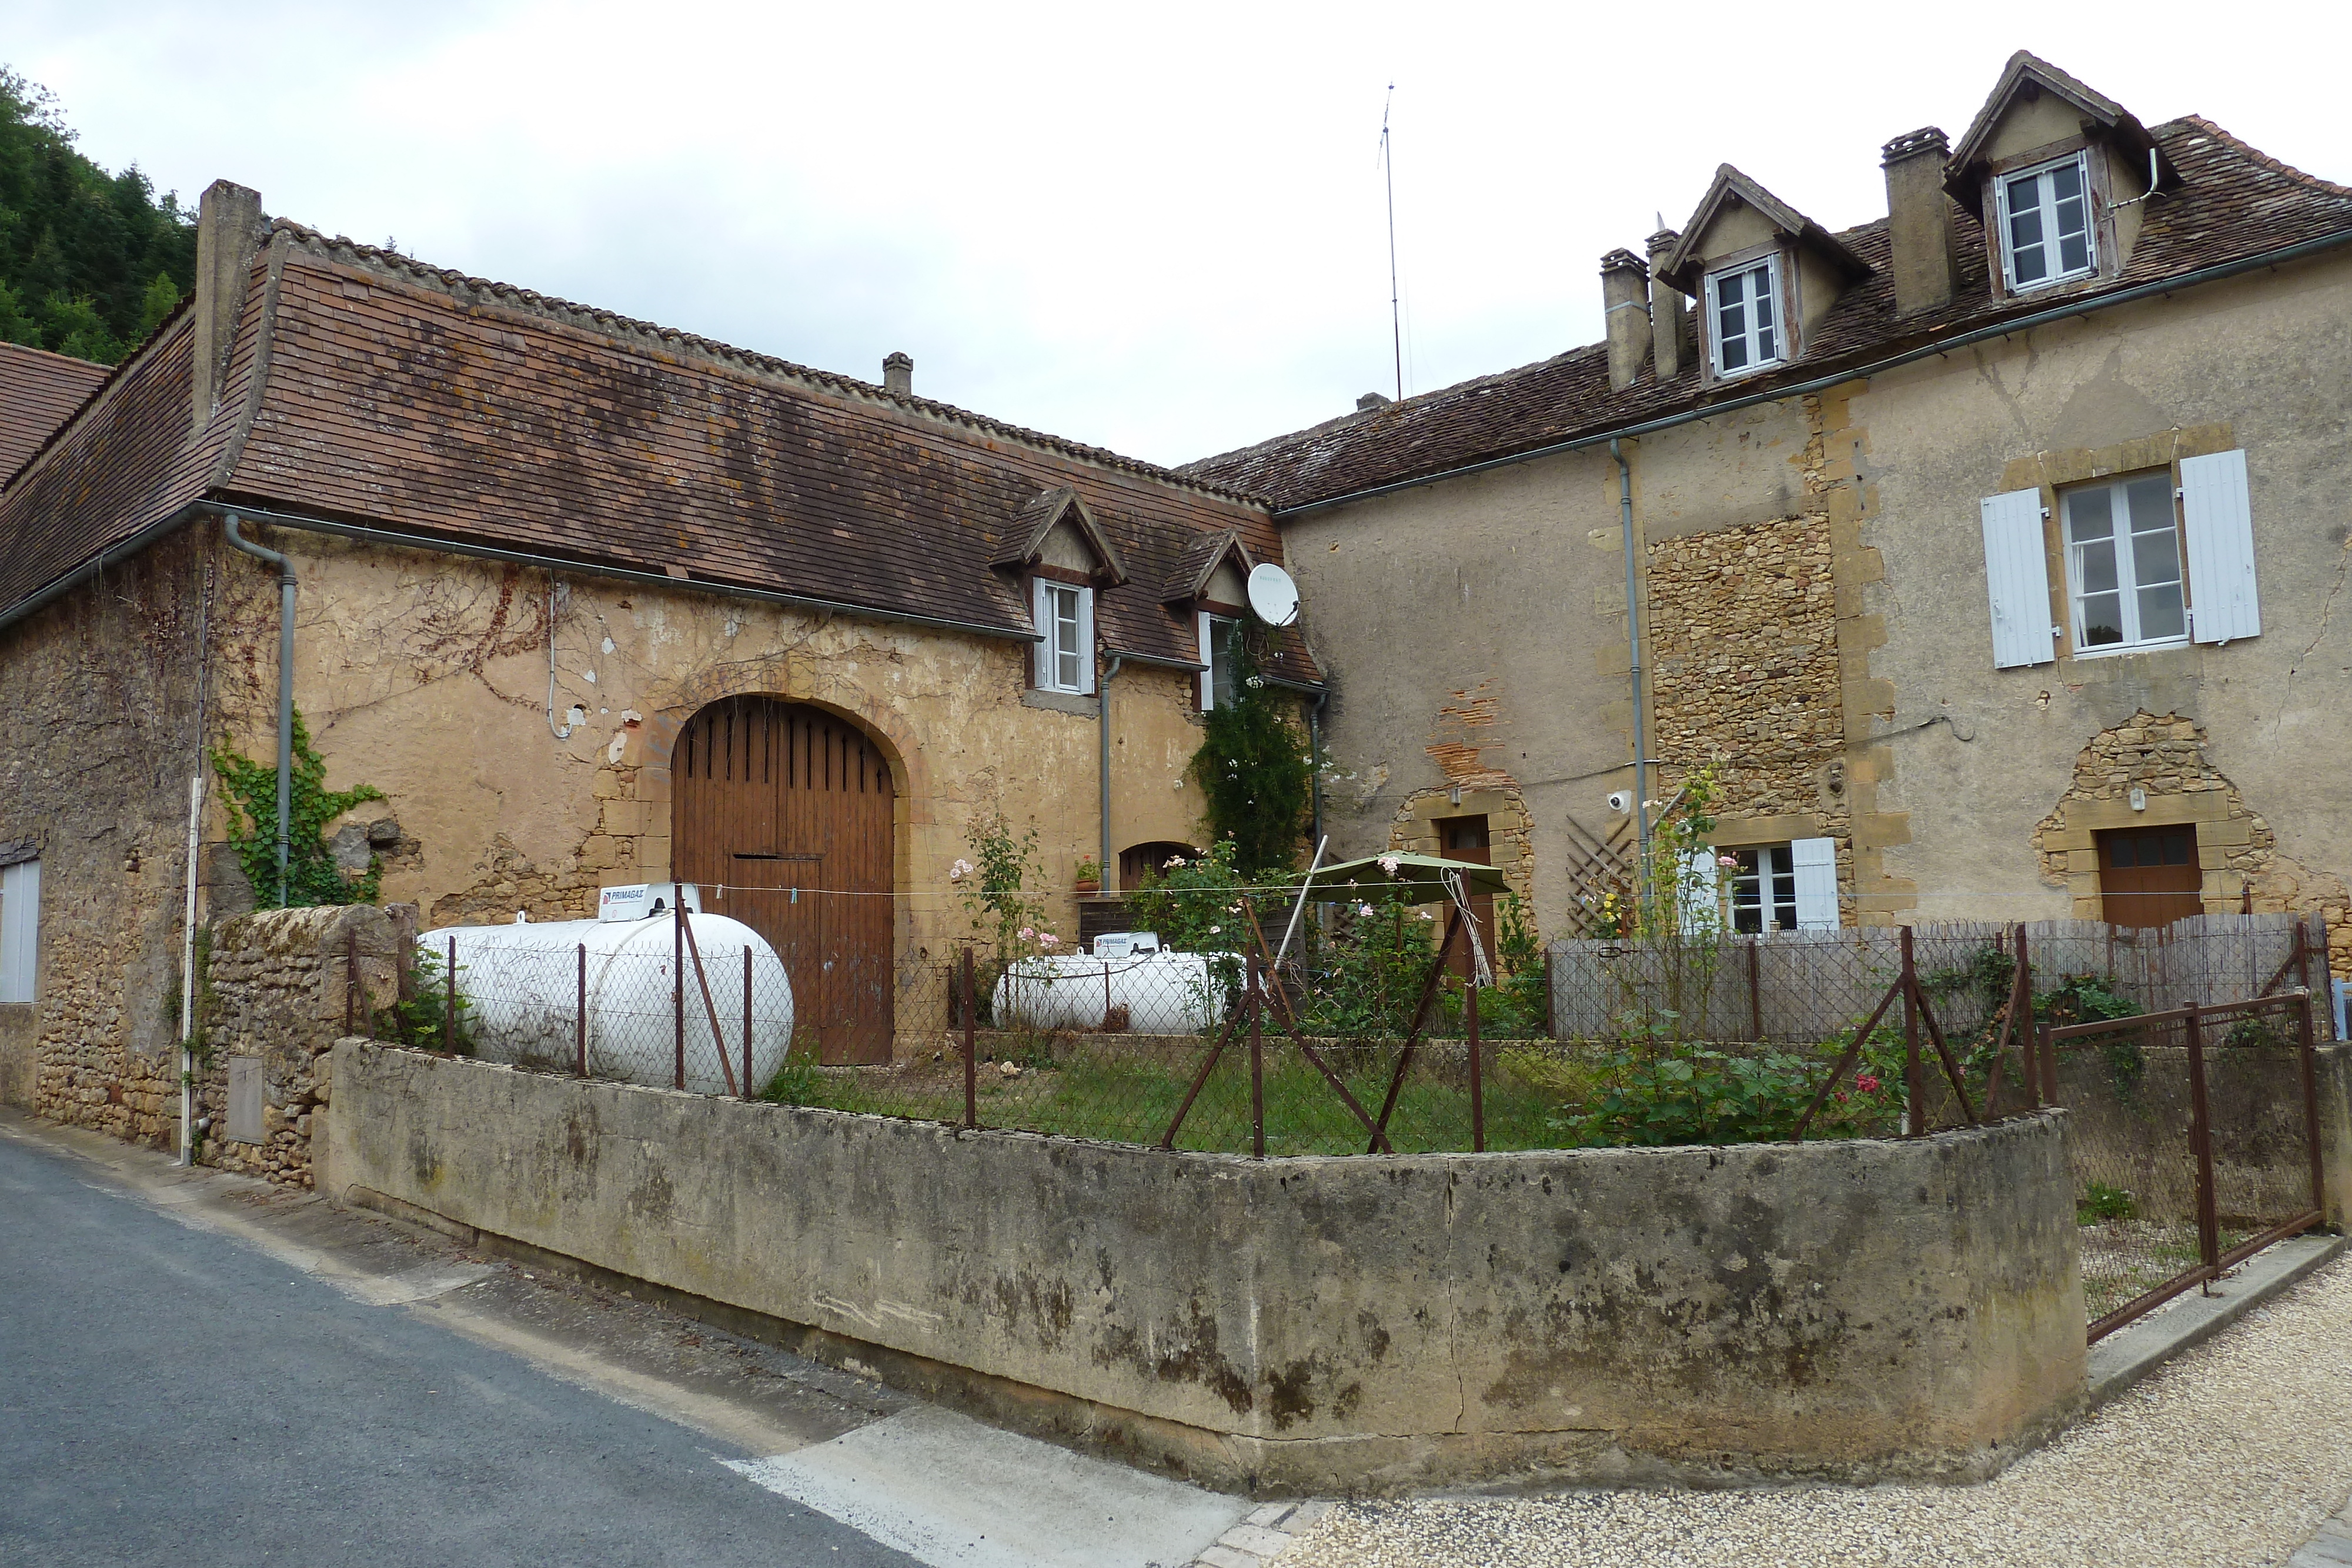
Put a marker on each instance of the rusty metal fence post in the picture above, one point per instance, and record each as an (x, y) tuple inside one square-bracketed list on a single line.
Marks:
[(580, 1017), (1914, 1087), (677, 977), (2309, 1063), (1478, 1085), (449, 1002), (2200, 1138), (970, 1044), (1258, 1068)]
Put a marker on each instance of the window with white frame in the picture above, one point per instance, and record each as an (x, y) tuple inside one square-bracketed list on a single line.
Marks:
[(1744, 303), (20, 923), (2045, 224), (1065, 616), (1221, 652), (2123, 564), (1763, 882)]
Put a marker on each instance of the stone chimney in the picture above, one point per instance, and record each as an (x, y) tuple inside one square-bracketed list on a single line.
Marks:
[(1668, 328), (898, 374), (228, 232), (1625, 298), (1371, 401), (1919, 220)]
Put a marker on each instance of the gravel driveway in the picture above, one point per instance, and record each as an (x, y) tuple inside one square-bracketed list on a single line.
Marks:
[(2227, 1458)]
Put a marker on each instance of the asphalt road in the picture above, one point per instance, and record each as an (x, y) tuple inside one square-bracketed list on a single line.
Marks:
[(168, 1394)]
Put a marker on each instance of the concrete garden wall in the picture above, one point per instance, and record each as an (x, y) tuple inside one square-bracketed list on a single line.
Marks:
[(1849, 1309)]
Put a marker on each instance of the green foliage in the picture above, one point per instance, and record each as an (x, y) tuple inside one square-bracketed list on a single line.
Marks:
[(2086, 998), (1254, 776), (1196, 905), (1668, 1091), (418, 1022), (1371, 969), (311, 874), (2101, 1202), (86, 257), (200, 1045)]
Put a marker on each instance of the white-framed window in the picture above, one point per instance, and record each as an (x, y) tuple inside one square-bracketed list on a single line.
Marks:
[(1744, 304), (1221, 652), (1065, 616), (1763, 889), (2045, 224), (2123, 564), (20, 929)]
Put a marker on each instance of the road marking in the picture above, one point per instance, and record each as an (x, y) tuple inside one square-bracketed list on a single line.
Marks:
[(952, 1493)]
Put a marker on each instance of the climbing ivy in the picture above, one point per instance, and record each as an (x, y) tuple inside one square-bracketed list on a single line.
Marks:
[(1254, 770), (311, 874)]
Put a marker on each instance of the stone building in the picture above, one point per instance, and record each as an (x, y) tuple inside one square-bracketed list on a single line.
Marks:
[(588, 603), (1994, 550)]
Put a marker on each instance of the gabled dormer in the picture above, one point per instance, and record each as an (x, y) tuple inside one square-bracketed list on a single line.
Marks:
[(1763, 275), (1063, 559), (1210, 581), (2058, 174)]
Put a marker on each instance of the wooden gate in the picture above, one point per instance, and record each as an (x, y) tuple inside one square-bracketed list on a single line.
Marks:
[(782, 813)]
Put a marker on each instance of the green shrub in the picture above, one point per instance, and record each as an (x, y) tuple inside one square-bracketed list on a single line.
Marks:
[(2101, 1202)]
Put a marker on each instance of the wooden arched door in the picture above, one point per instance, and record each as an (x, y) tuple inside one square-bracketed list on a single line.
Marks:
[(782, 813)]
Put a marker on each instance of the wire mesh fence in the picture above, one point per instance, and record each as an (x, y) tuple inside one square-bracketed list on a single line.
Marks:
[(2193, 1143)]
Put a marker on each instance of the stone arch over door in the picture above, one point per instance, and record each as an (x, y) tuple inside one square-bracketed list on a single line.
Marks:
[(786, 813)]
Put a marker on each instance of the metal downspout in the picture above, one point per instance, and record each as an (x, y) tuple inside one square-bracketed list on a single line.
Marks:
[(1633, 652), (286, 585), (1102, 723)]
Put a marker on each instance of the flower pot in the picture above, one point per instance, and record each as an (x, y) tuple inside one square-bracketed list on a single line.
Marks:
[(1085, 888)]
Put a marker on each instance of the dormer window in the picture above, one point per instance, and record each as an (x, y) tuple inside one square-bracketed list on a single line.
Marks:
[(1065, 616), (1744, 304), (2045, 224)]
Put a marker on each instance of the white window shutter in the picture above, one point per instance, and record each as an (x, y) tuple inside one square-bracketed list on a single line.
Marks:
[(20, 915), (1698, 905), (2220, 528), (1041, 652), (1086, 641), (1815, 863), (2017, 576), (1208, 663)]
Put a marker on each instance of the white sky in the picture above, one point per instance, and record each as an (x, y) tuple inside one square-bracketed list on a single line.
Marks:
[(1157, 229)]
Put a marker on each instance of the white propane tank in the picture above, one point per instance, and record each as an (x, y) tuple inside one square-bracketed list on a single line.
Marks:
[(522, 987), (1163, 993)]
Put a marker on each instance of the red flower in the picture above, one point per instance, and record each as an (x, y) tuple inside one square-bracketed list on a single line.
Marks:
[(1866, 1082)]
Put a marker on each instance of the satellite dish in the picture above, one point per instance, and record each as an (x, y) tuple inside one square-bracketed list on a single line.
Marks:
[(1273, 595)]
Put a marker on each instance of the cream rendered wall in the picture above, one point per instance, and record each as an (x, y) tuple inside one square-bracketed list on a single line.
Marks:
[(426, 676), (2270, 358)]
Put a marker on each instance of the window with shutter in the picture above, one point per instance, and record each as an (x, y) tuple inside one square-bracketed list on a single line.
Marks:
[(2017, 579), (2218, 526), (1697, 900), (2123, 564), (1219, 681), (1816, 863), (1064, 616), (20, 915)]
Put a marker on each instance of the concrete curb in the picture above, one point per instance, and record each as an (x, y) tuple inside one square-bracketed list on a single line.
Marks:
[(1265, 1534), (2126, 1356)]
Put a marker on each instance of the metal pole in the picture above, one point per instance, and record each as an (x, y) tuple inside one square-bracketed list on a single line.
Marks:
[(678, 979), (580, 1017), (1477, 1090), (2201, 1138), (1634, 655), (1914, 1111), (449, 1001), (2020, 1008), (1257, 1069), (188, 977), (1102, 769), (970, 1044), (749, 1093), (2310, 1065)]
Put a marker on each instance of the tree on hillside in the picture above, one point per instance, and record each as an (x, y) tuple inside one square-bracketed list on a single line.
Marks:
[(89, 262)]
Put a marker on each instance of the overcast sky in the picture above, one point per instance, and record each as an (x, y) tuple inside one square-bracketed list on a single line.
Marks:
[(1160, 229)]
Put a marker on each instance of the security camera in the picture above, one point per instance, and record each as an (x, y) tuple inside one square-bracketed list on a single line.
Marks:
[(1621, 801)]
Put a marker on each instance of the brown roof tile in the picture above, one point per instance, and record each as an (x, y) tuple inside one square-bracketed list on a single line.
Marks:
[(2231, 201), (38, 392)]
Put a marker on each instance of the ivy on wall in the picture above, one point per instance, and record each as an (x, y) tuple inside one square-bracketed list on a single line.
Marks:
[(311, 874), (1253, 772)]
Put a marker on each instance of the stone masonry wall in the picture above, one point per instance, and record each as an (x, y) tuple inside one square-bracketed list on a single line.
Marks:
[(1743, 638), (277, 986)]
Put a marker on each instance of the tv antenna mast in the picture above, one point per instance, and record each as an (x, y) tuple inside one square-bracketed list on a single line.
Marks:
[(1388, 166)]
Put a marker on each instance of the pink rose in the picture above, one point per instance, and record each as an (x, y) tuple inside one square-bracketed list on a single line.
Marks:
[(1866, 1082)]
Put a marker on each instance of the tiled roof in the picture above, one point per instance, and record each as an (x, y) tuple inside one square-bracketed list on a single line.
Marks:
[(2232, 201), (38, 392), (434, 405)]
